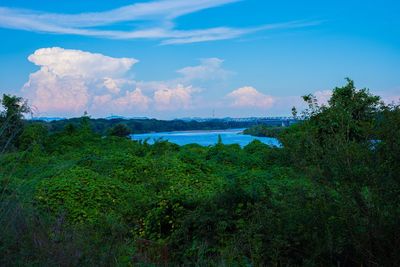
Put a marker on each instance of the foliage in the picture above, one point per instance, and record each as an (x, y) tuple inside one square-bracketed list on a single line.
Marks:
[(120, 130), (328, 197), (11, 121), (81, 194), (264, 130), (342, 145), (34, 134)]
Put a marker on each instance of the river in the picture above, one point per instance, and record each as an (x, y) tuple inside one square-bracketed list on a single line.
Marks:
[(206, 138)]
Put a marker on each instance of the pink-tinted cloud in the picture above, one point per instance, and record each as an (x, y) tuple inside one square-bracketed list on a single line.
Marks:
[(68, 81), (173, 98), (249, 97)]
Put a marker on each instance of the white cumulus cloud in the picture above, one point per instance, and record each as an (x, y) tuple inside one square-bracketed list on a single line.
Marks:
[(249, 97), (111, 85), (132, 100), (174, 98), (49, 92), (68, 80), (69, 62), (179, 93)]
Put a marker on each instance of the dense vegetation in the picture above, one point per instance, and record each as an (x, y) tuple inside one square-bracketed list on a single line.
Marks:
[(262, 130), (328, 197)]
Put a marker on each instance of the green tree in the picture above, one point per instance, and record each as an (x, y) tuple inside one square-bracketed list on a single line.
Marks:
[(294, 112), (332, 133), (120, 130), (11, 120), (85, 123), (351, 145)]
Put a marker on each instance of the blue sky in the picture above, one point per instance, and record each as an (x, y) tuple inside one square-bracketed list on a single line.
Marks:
[(179, 58)]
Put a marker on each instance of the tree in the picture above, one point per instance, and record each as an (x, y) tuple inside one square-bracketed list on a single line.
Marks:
[(334, 133), (11, 120), (120, 130), (294, 113), (351, 146), (85, 123)]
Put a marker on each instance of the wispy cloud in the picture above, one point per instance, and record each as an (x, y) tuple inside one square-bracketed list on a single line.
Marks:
[(160, 13), (154, 10)]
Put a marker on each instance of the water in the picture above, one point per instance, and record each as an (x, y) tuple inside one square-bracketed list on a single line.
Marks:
[(206, 138)]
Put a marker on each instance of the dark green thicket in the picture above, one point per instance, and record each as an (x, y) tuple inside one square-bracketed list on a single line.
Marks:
[(11, 121), (328, 197), (264, 130), (352, 146), (120, 130)]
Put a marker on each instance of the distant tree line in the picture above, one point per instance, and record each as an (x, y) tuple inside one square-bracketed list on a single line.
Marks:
[(137, 126)]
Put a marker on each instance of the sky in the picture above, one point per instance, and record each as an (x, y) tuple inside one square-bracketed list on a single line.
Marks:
[(194, 58)]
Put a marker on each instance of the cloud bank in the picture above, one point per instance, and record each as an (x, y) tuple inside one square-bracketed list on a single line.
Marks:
[(73, 81)]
